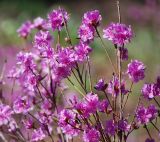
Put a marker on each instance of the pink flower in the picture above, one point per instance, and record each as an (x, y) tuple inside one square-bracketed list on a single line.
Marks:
[(91, 101), (88, 106), (82, 52), (42, 39), (40, 24), (101, 85), (12, 126), (103, 105), (148, 91), (91, 135), (57, 19), (118, 33), (25, 61), (25, 29), (136, 70), (144, 115), (28, 123), (66, 56), (114, 89), (38, 135), (60, 71), (92, 18), (22, 105), (5, 114), (111, 127), (67, 122), (123, 125), (82, 109), (86, 33)]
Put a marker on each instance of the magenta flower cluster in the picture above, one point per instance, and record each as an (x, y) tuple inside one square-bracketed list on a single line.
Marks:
[(119, 34), (151, 90), (49, 70), (90, 21), (58, 18), (136, 70), (144, 115)]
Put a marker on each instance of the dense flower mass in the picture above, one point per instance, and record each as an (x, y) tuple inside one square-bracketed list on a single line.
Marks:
[(28, 124), (82, 52), (148, 91), (92, 18), (26, 61), (119, 34), (58, 18), (90, 21), (151, 90), (91, 102), (91, 135), (38, 135), (114, 89), (144, 115), (42, 39), (103, 105), (123, 125), (40, 24), (67, 122), (43, 79), (22, 105), (66, 56), (5, 114), (90, 105), (86, 33), (101, 85), (136, 70), (111, 127), (25, 29)]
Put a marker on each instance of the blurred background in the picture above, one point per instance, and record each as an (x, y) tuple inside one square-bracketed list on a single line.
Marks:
[(142, 15)]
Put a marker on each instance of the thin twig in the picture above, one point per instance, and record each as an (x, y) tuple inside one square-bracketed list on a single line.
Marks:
[(105, 49), (145, 126), (76, 87), (157, 102), (82, 85), (155, 126), (130, 90), (108, 99), (89, 73)]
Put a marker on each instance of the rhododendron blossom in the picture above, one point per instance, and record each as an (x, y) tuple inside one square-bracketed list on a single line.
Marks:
[(91, 135), (92, 18), (136, 70), (58, 18), (56, 94), (119, 34), (25, 29), (5, 114)]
